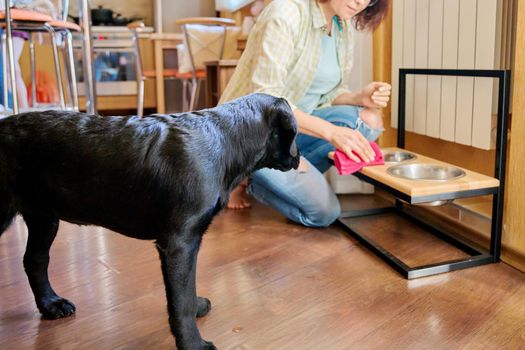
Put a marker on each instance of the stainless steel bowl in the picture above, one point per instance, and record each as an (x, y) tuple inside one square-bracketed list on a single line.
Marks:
[(421, 171), (398, 156), (433, 203)]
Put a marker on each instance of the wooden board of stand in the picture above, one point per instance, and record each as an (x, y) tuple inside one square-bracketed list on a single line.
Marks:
[(416, 188)]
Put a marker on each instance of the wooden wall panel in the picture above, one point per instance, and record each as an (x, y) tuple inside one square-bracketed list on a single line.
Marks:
[(383, 71), (514, 220)]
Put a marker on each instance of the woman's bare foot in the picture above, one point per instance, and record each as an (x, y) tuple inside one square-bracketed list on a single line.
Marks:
[(239, 199)]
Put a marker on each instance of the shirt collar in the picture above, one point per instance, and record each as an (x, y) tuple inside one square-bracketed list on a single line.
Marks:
[(317, 14), (319, 20)]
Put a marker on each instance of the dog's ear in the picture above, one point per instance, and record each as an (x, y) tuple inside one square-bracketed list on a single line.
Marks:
[(283, 131), (283, 123)]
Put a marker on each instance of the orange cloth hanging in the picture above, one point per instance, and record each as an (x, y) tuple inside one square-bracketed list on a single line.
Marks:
[(46, 89)]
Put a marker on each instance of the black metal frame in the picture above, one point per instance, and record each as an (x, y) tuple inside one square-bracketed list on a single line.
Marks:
[(478, 256)]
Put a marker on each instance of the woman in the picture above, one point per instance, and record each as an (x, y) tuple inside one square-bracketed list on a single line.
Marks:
[(302, 50)]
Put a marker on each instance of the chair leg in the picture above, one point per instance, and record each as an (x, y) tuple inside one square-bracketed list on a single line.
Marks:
[(140, 97), (57, 66), (11, 65), (33, 70), (197, 93), (4, 73), (72, 73), (194, 86), (184, 95), (65, 60), (139, 74)]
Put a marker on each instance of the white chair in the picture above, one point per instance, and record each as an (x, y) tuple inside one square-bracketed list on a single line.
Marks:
[(144, 74), (204, 39)]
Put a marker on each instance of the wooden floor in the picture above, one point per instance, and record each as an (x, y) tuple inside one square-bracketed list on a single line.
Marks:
[(273, 285)]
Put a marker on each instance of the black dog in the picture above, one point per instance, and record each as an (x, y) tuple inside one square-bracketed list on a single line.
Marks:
[(160, 177)]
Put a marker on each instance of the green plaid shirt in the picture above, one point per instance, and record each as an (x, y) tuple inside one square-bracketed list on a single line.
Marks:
[(284, 50)]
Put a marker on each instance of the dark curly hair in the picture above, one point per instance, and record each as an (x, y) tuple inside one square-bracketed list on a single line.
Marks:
[(370, 18)]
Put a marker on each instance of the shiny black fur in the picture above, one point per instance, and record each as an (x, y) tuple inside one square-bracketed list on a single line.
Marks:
[(160, 177)]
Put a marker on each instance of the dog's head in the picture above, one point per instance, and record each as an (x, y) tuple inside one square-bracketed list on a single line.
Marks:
[(281, 149)]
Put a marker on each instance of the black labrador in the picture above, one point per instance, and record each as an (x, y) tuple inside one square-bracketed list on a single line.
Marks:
[(160, 177)]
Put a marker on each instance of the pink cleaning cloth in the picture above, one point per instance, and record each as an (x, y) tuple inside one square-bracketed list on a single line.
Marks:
[(346, 166)]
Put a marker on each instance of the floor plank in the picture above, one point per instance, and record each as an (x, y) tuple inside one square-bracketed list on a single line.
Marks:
[(273, 285)]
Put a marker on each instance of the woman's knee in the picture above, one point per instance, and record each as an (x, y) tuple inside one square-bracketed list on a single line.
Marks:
[(323, 216), (372, 117), (305, 198)]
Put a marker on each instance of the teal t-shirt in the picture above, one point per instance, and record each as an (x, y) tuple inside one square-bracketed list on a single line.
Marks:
[(327, 76)]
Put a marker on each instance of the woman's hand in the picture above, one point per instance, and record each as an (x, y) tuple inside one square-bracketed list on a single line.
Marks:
[(343, 138), (350, 141), (376, 95)]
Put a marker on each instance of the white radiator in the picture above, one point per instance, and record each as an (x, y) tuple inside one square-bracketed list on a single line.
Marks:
[(451, 34)]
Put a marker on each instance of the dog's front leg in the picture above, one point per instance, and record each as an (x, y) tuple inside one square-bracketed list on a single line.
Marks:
[(178, 261)]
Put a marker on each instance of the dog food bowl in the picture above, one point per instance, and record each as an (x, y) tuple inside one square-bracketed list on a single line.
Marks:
[(398, 156), (420, 171), (433, 203)]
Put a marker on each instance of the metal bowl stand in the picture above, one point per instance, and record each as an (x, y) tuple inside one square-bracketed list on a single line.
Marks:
[(477, 255)]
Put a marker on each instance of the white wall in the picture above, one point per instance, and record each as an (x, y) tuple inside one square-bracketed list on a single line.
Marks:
[(362, 71)]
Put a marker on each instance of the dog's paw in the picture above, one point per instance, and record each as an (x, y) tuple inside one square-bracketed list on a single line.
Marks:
[(56, 307), (203, 306), (208, 345)]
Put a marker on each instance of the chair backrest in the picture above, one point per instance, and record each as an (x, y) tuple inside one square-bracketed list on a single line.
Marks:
[(204, 39)]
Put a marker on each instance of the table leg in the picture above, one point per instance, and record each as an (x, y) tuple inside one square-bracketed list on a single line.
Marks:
[(159, 78), (89, 71)]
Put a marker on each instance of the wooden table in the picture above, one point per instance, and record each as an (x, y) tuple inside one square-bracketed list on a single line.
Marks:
[(163, 41), (241, 42)]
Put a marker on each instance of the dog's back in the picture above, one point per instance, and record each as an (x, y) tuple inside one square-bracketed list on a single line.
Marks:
[(98, 170)]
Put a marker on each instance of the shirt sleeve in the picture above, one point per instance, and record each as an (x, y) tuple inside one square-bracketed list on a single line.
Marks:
[(329, 98), (275, 54)]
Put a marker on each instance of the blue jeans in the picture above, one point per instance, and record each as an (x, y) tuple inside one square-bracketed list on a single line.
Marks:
[(306, 197)]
